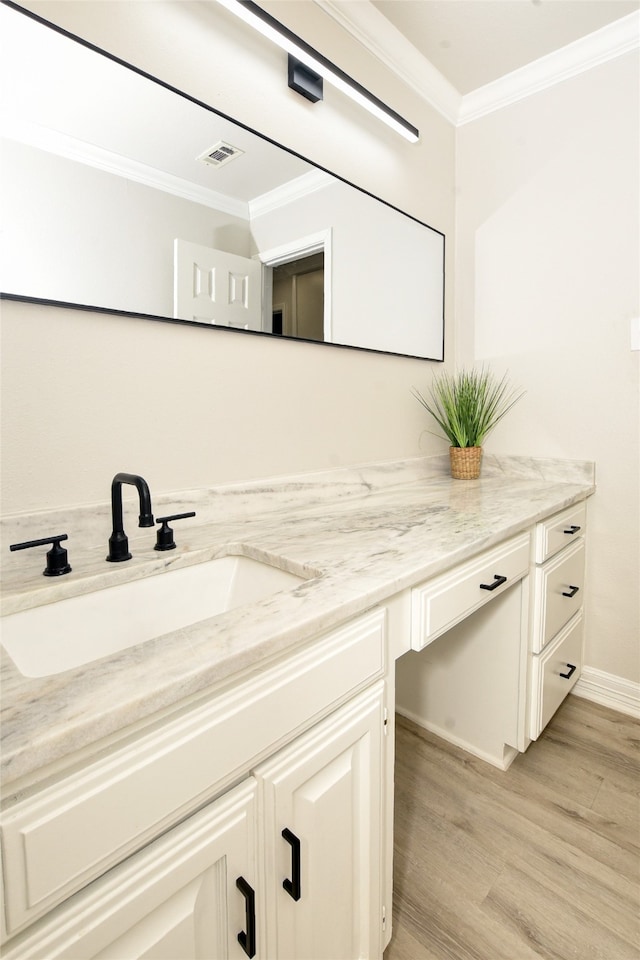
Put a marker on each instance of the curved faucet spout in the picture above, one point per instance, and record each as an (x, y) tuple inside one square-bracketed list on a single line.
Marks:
[(118, 541)]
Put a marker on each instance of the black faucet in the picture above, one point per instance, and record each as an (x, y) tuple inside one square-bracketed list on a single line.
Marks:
[(118, 541)]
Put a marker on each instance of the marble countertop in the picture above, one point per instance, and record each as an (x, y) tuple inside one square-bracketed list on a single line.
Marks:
[(360, 536)]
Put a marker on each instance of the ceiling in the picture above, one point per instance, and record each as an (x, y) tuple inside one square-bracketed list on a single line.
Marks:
[(474, 42), (441, 35), (85, 121)]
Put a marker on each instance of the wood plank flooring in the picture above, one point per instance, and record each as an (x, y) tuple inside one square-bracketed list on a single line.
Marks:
[(540, 861)]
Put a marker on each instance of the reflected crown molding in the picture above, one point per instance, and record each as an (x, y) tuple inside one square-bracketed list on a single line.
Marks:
[(60, 144), (53, 141), (374, 32), (289, 192)]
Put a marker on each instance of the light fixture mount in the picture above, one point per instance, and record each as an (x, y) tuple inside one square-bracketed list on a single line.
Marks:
[(304, 80), (315, 62)]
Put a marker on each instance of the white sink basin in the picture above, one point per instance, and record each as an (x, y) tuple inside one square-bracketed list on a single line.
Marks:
[(69, 633)]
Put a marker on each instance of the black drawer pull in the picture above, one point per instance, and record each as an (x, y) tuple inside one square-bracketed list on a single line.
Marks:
[(247, 938), (292, 886), (497, 582), (571, 592), (572, 529), (572, 670)]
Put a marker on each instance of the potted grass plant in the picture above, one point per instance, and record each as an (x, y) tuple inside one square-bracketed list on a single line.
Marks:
[(467, 405)]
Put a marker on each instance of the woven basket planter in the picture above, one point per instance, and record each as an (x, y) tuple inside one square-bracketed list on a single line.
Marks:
[(465, 462)]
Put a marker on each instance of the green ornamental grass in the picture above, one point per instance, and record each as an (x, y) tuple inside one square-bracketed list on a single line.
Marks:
[(467, 405)]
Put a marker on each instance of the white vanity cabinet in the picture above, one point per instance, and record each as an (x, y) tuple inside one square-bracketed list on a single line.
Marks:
[(556, 613), (494, 661), (177, 898), (139, 853), (234, 880), (255, 817), (469, 633), (326, 789)]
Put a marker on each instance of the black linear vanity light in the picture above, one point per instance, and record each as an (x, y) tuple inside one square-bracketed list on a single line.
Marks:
[(308, 68)]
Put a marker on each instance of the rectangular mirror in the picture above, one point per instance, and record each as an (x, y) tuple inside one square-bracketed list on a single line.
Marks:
[(122, 194)]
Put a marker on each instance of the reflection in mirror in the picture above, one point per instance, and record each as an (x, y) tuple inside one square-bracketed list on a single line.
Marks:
[(297, 308), (121, 194)]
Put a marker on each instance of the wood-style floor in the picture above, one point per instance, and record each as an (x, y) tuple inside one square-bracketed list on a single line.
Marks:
[(542, 860)]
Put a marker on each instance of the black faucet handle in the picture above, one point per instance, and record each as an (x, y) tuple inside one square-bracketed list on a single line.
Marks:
[(57, 559), (164, 540)]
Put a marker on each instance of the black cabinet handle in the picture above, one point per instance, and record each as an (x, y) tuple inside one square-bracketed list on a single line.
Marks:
[(571, 592), (572, 529), (247, 938), (497, 582), (572, 670), (292, 886)]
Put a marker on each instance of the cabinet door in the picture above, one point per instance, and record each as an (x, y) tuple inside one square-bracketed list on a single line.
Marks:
[(175, 900), (322, 814)]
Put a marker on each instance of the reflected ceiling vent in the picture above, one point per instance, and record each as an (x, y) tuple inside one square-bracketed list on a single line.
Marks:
[(220, 154)]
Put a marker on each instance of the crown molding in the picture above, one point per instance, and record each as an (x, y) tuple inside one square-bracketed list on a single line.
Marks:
[(52, 141), (374, 32), (288, 192), (617, 38), (371, 29)]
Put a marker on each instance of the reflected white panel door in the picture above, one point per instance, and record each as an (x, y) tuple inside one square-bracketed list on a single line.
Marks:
[(176, 899), (213, 286), (323, 874)]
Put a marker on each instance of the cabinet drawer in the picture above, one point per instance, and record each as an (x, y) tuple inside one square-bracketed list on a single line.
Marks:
[(559, 531), (559, 593), (70, 833), (444, 601), (554, 673)]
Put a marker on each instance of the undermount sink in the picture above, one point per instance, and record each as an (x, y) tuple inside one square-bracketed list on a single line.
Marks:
[(70, 633)]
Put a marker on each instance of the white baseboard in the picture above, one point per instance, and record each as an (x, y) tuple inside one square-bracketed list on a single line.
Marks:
[(501, 760), (609, 691)]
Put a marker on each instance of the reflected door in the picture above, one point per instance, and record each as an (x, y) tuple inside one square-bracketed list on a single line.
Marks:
[(216, 287), (298, 290)]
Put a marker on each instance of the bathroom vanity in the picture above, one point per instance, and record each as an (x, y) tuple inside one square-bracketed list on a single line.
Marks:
[(226, 789)]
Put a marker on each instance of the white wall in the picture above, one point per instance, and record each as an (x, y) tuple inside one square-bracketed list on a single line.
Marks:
[(112, 246), (547, 282), (386, 270), (86, 395), (547, 265), (77, 234)]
